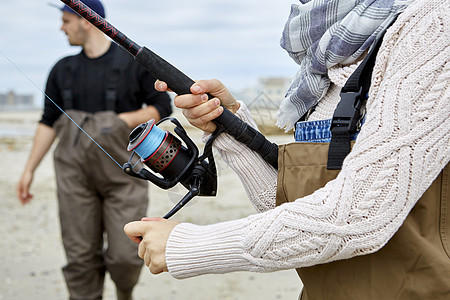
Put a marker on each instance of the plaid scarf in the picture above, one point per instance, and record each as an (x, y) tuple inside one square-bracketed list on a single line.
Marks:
[(320, 34)]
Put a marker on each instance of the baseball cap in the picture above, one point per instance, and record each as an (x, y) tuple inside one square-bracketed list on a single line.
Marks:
[(95, 5)]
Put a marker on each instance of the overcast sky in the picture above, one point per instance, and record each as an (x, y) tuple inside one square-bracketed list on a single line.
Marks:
[(236, 41)]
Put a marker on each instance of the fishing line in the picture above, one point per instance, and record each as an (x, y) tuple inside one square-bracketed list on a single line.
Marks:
[(151, 143), (29, 79)]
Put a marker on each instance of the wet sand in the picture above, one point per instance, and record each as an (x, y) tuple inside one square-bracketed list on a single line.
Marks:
[(31, 250)]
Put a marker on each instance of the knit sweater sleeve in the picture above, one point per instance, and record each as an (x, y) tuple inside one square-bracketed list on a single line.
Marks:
[(400, 150), (258, 178)]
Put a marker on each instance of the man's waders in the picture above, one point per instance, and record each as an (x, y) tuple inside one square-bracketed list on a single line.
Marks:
[(96, 197)]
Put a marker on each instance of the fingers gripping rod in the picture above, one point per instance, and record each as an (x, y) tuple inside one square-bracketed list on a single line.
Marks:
[(179, 83)]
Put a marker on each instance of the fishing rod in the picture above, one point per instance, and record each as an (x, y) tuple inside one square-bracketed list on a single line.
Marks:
[(180, 83)]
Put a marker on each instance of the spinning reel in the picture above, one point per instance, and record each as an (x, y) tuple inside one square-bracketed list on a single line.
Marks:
[(162, 152)]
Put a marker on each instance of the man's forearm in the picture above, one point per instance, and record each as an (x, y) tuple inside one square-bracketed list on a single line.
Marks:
[(43, 139), (134, 118)]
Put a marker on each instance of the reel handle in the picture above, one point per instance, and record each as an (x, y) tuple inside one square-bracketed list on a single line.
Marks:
[(188, 197)]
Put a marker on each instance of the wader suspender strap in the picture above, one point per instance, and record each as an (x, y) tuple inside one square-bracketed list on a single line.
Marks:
[(112, 77), (67, 92), (112, 81), (347, 114)]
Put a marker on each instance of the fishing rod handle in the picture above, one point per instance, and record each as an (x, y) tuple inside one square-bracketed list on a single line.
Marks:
[(176, 80), (95, 19), (180, 83), (249, 136)]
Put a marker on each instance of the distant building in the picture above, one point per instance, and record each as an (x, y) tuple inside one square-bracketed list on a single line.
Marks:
[(273, 88), (264, 100), (13, 101)]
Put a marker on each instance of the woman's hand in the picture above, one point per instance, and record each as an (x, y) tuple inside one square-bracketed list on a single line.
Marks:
[(197, 109), (151, 234)]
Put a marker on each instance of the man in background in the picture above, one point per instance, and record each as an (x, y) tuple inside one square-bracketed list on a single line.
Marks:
[(108, 94)]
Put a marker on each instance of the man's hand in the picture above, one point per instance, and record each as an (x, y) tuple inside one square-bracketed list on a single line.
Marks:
[(43, 139), (151, 234), (197, 109), (23, 187)]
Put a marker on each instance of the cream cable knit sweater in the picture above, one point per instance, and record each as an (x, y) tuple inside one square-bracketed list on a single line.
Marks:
[(402, 147)]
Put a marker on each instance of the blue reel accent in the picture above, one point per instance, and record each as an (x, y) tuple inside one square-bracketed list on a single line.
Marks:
[(150, 143)]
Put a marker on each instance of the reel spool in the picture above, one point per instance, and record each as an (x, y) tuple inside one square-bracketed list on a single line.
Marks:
[(163, 153)]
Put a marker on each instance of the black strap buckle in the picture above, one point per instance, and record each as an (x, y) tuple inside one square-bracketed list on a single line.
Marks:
[(343, 125), (67, 96), (347, 113), (111, 98)]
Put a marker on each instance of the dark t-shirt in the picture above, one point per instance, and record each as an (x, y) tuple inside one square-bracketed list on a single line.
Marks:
[(88, 81)]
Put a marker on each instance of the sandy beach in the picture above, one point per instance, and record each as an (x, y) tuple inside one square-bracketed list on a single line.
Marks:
[(31, 249)]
